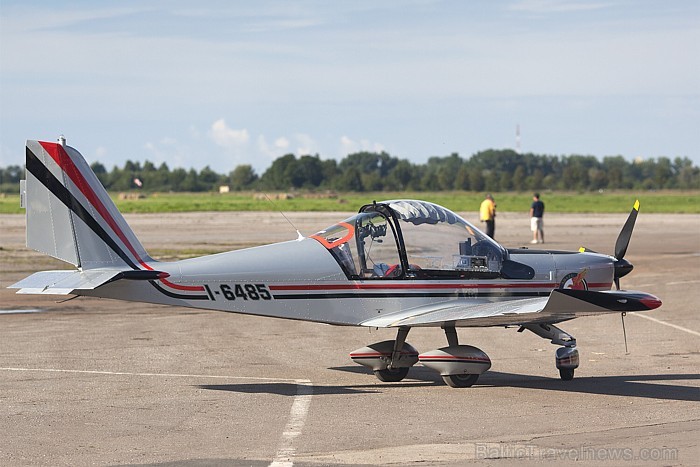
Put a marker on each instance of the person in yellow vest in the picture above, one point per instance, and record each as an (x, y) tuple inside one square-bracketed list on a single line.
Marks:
[(487, 213)]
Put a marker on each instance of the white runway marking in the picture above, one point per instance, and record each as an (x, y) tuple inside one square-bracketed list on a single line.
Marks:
[(675, 326), (13, 312), (682, 282), (297, 417)]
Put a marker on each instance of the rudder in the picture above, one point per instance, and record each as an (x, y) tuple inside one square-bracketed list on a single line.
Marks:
[(70, 216)]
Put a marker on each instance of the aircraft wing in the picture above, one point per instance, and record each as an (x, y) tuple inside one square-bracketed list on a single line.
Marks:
[(561, 305)]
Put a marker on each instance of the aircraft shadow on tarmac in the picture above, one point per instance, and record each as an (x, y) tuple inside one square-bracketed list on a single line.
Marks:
[(282, 389), (648, 386)]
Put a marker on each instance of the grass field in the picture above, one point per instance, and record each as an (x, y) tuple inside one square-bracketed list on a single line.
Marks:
[(611, 202)]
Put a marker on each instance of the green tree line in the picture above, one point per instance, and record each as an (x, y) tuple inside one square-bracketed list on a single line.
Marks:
[(490, 170)]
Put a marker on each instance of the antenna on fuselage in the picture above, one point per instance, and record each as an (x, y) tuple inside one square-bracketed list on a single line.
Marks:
[(299, 235)]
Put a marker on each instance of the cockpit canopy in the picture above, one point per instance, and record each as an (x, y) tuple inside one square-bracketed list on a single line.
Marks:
[(411, 239)]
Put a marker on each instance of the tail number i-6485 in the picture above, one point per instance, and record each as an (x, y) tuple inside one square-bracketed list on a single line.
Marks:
[(239, 292)]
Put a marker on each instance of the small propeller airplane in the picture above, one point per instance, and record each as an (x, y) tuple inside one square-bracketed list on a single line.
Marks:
[(395, 264)]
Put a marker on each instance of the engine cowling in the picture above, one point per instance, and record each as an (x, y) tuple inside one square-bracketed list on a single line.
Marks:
[(456, 360)]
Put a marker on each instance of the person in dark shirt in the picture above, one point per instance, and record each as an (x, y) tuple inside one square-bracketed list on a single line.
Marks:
[(536, 224)]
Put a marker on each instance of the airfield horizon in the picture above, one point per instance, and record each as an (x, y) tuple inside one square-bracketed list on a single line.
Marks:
[(617, 201)]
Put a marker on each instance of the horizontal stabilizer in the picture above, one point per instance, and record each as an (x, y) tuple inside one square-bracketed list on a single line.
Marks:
[(65, 282)]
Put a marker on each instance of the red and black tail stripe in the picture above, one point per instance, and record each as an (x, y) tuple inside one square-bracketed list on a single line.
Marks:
[(44, 175)]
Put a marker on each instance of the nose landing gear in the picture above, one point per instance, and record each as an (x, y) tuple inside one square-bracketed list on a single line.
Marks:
[(566, 357)]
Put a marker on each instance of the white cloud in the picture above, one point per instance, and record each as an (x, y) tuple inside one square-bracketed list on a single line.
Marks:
[(349, 146), (306, 145), (226, 137), (282, 143), (170, 151), (101, 152), (271, 151)]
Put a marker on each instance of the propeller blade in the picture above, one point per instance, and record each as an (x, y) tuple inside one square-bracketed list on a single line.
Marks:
[(623, 240), (583, 249)]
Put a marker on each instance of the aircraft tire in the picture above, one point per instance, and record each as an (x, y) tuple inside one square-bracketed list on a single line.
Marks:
[(566, 374), (460, 381), (391, 375)]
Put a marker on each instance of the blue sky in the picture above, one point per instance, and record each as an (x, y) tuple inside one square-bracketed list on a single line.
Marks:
[(232, 82)]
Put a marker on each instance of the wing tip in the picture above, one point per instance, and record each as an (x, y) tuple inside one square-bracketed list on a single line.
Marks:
[(651, 302)]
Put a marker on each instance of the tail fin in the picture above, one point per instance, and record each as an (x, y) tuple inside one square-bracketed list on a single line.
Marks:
[(70, 216)]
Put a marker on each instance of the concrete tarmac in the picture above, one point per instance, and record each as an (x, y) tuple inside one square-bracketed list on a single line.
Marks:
[(103, 382)]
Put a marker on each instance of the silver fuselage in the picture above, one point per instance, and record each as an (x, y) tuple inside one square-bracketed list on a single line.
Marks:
[(302, 280)]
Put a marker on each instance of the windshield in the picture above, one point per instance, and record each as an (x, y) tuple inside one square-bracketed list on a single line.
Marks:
[(430, 240), (364, 245)]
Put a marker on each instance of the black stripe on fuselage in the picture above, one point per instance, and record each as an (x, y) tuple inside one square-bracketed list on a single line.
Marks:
[(408, 295), (177, 295), (44, 175)]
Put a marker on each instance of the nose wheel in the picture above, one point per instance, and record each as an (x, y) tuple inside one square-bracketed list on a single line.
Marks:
[(566, 374), (566, 357)]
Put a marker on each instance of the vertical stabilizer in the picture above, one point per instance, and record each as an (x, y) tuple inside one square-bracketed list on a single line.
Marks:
[(70, 216)]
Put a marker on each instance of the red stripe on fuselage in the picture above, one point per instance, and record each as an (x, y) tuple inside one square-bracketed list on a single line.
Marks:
[(456, 358), (59, 155), (410, 286), (414, 285)]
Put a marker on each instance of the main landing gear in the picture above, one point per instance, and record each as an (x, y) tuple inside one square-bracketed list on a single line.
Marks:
[(459, 365), (566, 357)]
